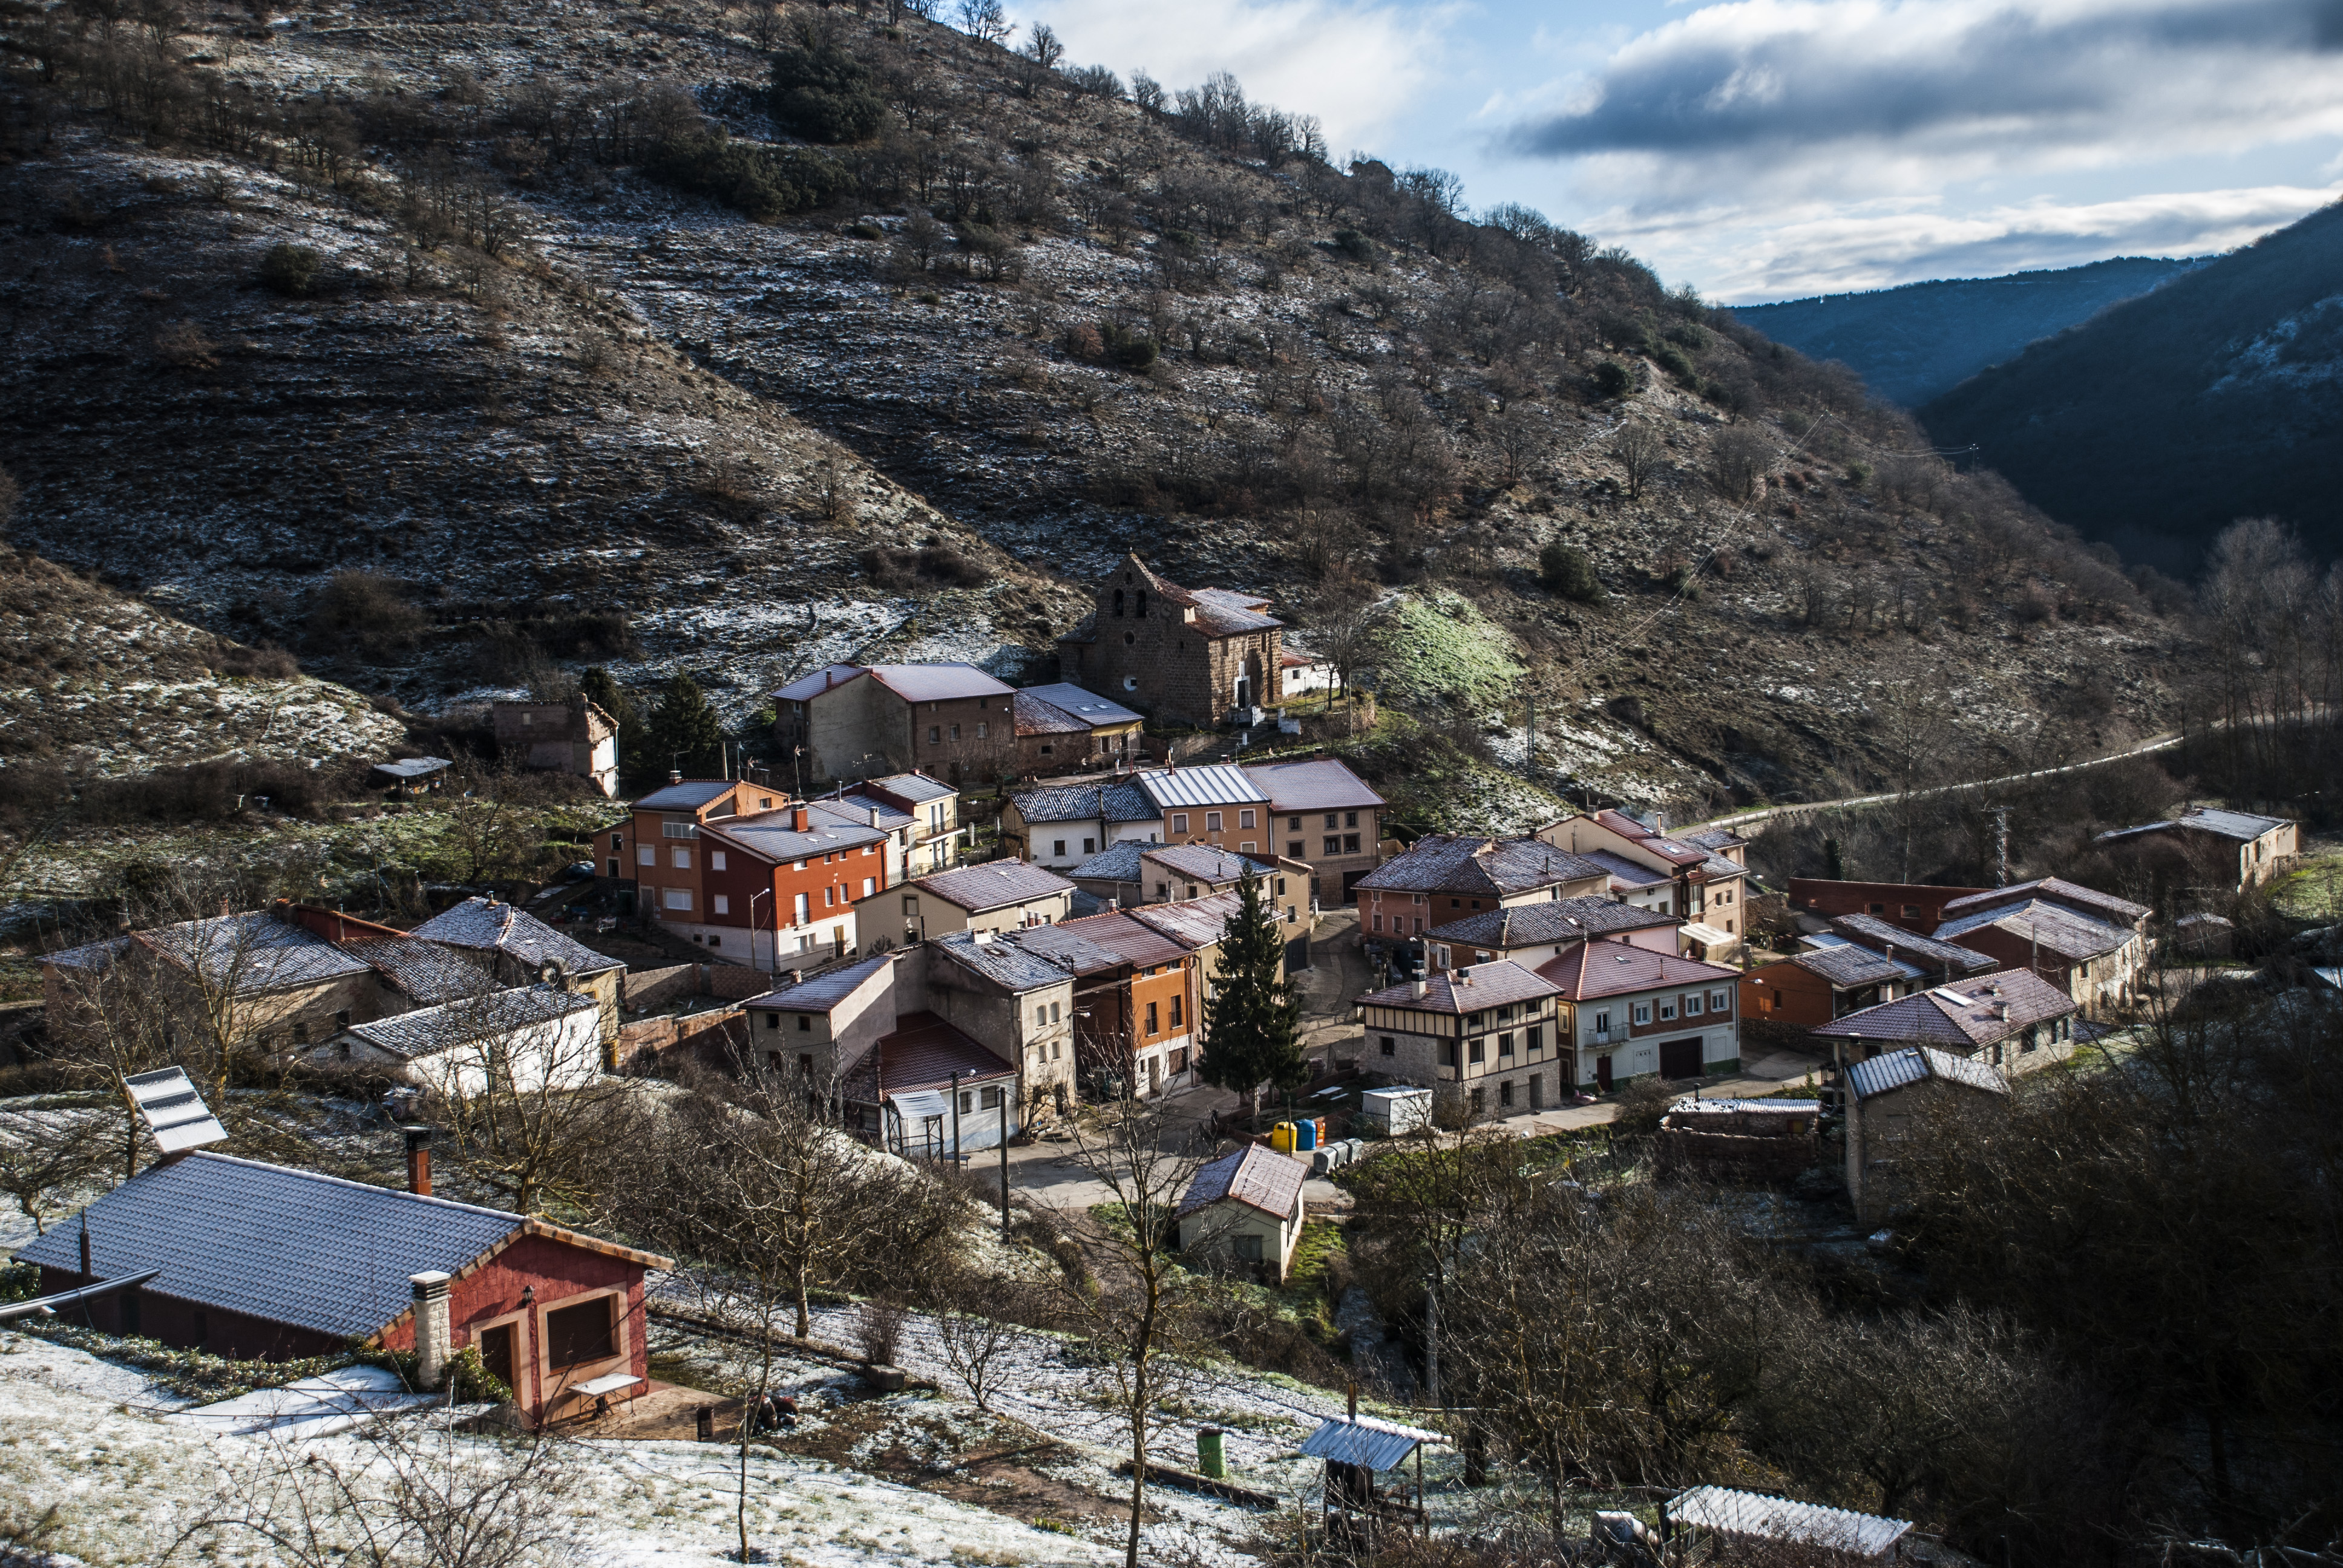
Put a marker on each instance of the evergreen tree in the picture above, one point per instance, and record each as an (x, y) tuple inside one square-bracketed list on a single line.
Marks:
[(1254, 1021), (685, 733), (608, 695)]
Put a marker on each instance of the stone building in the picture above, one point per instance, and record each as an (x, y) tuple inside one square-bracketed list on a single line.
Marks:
[(1181, 655), (572, 737), (950, 721)]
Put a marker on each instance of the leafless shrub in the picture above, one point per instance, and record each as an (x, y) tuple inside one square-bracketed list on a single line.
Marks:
[(879, 1330), (598, 356), (185, 345), (2034, 606)]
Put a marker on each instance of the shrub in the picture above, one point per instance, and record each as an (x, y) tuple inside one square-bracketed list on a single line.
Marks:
[(184, 344), (290, 268), (899, 570), (1125, 349), (824, 94), (235, 658), (1672, 359), (1352, 245), (762, 183), (1565, 569), (1612, 379), (367, 612)]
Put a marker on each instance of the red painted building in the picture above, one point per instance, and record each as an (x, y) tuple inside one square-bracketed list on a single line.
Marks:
[(263, 1263), (1914, 906)]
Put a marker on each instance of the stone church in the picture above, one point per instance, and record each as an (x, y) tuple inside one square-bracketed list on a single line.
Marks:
[(1181, 655)]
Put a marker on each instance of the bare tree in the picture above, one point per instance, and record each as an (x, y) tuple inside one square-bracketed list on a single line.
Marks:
[(976, 1334), (47, 1156), (1641, 453), (1737, 460), (1346, 619)]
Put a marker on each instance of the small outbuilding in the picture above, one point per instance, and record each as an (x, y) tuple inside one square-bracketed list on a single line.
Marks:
[(1722, 1515), (1356, 1449), (413, 775), (1245, 1207), (1891, 1098)]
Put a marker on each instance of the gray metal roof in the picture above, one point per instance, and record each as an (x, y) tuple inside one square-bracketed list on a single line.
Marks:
[(281, 1245), (993, 885), (1917, 1063), (824, 990), (1194, 923), (1556, 920), (1215, 784), (1087, 706), (916, 787), (484, 925), (689, 796), (2242, 826), (1120, 800), (774, 836), (941, 682), (2069, 933), (1880, 935), (414, 767), (1320, 784), (1364, 1439), (1751, 1515), (2096, 904), (428, 1031)]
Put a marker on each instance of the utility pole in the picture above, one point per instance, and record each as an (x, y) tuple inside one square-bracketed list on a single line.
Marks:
[(1006, 1090), (955, 1111)]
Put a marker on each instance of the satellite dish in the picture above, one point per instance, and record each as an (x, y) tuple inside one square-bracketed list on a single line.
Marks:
[(552, 972)]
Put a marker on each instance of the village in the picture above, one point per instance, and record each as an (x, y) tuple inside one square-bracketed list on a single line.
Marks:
[(1109, 984)]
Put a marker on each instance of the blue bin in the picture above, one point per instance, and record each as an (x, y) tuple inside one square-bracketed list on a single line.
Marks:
[(1305, 1137)]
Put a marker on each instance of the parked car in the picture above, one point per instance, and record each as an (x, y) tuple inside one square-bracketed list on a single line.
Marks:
[(578, 871)]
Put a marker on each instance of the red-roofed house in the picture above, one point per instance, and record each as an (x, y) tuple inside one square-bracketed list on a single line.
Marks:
[(1632, 1012), (1708, 880)]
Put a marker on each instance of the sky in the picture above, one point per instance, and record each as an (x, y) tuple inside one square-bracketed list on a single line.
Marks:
[(1772, 149)]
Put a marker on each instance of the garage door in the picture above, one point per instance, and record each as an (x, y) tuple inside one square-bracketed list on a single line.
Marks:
[(1680, 1058)]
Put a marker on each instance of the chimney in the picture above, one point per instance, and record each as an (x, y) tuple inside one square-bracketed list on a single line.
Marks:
[(431, 1346), (674, 775), (419, 1160), (803, 820), (1465, 975), (2001, 1011), (1422, 987), (89, 1274), (874, 816)]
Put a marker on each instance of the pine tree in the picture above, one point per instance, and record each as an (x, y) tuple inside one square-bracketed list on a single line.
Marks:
[(685, 733), (1253, 1020), (608, 695)]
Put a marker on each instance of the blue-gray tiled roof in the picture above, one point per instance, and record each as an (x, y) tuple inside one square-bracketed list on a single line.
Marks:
[(1124, 801)]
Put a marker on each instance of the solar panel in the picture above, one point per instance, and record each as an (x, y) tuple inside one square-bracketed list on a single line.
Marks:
[(173, 1110)]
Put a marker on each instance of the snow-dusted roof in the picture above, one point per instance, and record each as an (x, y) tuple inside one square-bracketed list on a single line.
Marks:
[(1964, 1014), (1753, 1515), (688, 796), (824, 990), (1471, 988), (1556, 920), (1087, 706), (484, 925), (1118, 862), (1215, 784), (1205, 862), (428, 1031), (1121, 801), (1255, 1176), (1443, 863), (1915, 1062), (994, 884), (1318, 784)]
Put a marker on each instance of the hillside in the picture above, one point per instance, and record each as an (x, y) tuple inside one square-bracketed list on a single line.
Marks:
[(2218, 395), (542, 323), (1920, 340)]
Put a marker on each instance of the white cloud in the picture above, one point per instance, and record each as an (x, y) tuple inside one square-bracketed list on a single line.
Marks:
[(1822, 249), (1357, 66)]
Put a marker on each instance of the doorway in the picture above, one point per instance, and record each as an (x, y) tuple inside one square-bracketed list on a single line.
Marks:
[(1603, 1074), (496, 1354), (1680, 1058)]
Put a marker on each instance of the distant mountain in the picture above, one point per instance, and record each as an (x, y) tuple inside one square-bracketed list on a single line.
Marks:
[(2154, 425), (1919, 341)]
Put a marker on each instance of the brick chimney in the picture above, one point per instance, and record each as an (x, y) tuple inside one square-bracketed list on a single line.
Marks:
[(802, 821), (419, 1160), (431, 1338)]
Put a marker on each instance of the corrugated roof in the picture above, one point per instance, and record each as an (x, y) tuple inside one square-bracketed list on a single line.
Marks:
[(1364, 1439), (994, 884), (689, 796), (1118, 862), (1320, 784), (1216, 784), (484, 925), (824, 990), (807, 687), (944, 682), (1493, 868), (2069, 933), (1556, 920), (1590, 969), (1004, 963), (2057, 890), (1121, 801), (914, 786), (281, 1245), (1881, 936), (428, 1031), (1087, 706), (414, 767), (1205, 862), (923, 1052), (1256, 1176), (1965, 1014), (1897, 1069), (1747, 1513), (2241, 826), (1470, 987)]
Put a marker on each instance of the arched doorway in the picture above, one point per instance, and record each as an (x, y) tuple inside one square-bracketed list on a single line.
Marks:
[(1249, 686)]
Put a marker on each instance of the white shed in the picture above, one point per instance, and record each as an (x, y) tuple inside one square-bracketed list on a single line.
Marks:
[(1245, 1207)]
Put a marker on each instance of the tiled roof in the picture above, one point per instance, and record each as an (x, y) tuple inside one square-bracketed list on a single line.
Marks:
[(923, 1052), (1068, 946), (1880, 935), (1846, 966), (483, 925), (1256, 1176), (914, 786), (1442, 863), (1318, 784), (1676, 851), (844, 811), (1006, 964), (1087, 706), (689, 796), (1966, 1014), (807, 687), (1917, 1062), (1036, 717), (944, 682), (1118, 862), (281, 1245), (2053, 927), (421, 968), (1232, 609), (1471, 988), (428, 1031), (824, 990), (1714, 839), (1556, 920), (1590, 969), (1118, 933), (1205, 862), (256, 951), (994, 884), (774, 836), (2058, 890), (1194, 923), (1121, 799), (1215, 784), (1626, 872)]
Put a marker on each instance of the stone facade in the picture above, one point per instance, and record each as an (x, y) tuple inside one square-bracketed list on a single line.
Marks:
[(1181, 655)]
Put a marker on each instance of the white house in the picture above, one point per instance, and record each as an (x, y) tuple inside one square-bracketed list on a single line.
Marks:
[(1245, 1207), (530, 1037)]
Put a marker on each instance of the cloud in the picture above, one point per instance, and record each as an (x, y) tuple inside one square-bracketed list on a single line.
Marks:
[(1867, 98), (1357, 66), (1824, 250)]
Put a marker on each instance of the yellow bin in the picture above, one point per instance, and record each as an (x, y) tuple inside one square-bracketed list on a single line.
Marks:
[(1281, 1138)]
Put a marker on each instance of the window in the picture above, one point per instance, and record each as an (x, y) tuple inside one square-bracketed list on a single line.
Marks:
[(1350, 818), (1334, 845), (980, 735), (1602, 1023), (1669, 1007), (1716, 1001), (1294, 824), (1879, 909), (645, 856), (1505, 1092), (1244, 819), (1390, 1046), (1379, 922), (1153, 1027), (803, 910), (1479, 1049), (1480, 1101), (678, 829), (772, 1021), (934, 734), (870, 886), (1643, 1012), (1536, 1040), (1350, 843), (1333, 818), (955, 732), (676, 898), (723, 904), (1505, 1043), (1179, 1061), (714, 860), (805, 1022), (1053, 1011), (1041, 1017), (989, 1099), (1296, 848), (1059, 850), (764, 803), (1248, 846), (1086, 847), (829, 898), (1212, 821), (575, 1335), (1692, 1005), (1447, 1053), (681, 858), (1178, 1004), (910, 903), (716, 941), (1180, 821), (618, 842), (1911, 911), (1248, 1247)]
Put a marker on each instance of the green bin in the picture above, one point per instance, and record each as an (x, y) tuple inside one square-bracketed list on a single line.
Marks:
[(1210, 1461)]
